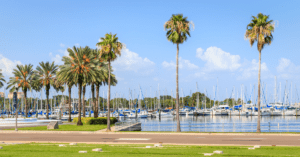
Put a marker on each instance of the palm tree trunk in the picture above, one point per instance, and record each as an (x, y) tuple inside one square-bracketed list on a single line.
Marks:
[(83, 101), (34, 104), (79, 104), (258, 97), (108, 99), (177, 91), (97, 99), (25, 97), (69, 120), (47, 103), (93, 99)]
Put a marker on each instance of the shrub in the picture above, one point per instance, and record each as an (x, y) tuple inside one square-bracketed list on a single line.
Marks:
[(95, 121)]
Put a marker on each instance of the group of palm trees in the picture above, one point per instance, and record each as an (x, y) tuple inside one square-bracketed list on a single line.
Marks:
[(259, 30), (86, 66), (83, 67)]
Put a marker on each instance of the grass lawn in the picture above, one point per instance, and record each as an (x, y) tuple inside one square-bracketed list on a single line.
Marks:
[(50, 149), (67, 128)]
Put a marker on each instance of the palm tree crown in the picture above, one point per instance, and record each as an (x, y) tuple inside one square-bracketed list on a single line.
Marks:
[(178, 27), (46, 73), (1, 80), (110, 47), (260, 30)]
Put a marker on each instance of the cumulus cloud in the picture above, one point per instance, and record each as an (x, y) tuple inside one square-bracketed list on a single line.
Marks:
[(287, 69), (250, 70), (183, 64), (217, 59), (57, 58), (64, 52), (7, 65), (131, 61)]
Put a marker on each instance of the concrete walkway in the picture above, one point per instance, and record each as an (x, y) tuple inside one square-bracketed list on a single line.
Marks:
[(151, 138)]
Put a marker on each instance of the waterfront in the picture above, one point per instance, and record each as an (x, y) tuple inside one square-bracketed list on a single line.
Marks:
[(223, 124)]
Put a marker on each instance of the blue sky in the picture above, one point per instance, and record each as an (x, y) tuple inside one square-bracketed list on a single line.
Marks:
[(35, 31)]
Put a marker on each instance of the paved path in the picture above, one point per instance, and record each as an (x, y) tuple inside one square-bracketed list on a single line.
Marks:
[(150, 138)]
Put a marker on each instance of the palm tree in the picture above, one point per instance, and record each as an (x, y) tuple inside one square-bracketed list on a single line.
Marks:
[(1, 80), (37, 87), (45, 74), (24, 76), (64, 76), (80, 66), (178, 27), (58, 87), (110, 48), (101, 75), (260, 31)]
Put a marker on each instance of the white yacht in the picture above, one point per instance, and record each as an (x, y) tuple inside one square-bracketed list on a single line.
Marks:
[(221, 110), (275, 112), (265, 112), (164, 115)]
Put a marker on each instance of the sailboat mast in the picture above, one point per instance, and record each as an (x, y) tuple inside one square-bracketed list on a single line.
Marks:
[(291, 94), (275, 90)]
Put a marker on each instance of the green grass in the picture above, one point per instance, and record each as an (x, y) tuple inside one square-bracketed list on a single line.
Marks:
[(117, 150), (67, 128)]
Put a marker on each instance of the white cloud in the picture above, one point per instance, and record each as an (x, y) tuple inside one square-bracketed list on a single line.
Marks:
[(62, 45), (183, 64), (57, 59), (7, 65), (287, 69), (77, 44), (217, 59), (250, 70), (131, 61), (64, 52)]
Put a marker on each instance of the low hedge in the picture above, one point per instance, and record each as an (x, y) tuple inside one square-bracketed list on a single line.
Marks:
[(95, 121)]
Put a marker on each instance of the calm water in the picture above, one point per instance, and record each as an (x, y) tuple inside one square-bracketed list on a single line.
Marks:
[(224, 124)]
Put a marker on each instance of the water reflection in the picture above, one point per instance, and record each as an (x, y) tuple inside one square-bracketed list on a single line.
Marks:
[(224, 124)]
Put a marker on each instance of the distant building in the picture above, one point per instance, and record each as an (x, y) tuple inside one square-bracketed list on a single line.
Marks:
[(1, 94), (20, 95)]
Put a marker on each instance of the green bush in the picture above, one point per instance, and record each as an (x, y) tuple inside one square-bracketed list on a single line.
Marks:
[(95, 121)]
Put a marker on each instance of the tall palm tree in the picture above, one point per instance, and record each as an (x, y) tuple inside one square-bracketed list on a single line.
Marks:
[(45, 74), (101, 75), (23, 77), (37, 87), (260, 30), (178, 28), (1, 80), (110, 48), (80, 65), (64, 76), (58, 87)]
